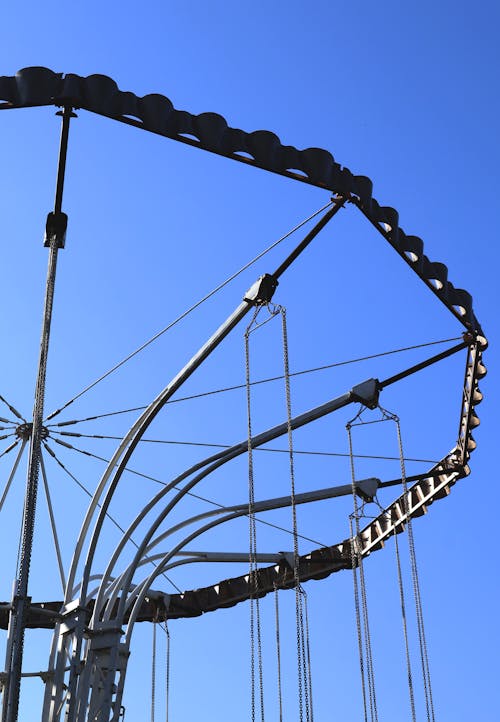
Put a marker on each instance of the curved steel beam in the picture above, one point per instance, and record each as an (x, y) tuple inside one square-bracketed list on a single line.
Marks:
[(223, 457)]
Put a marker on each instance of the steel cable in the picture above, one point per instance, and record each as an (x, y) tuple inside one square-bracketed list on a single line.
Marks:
[(189, 310), (255, 627), (260, 381)]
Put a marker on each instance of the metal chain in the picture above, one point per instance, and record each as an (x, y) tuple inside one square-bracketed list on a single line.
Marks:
[(424, 657), (302, 688), (354, 562), (362, 624), (405, 630), (307, 654), (305, 674), (167, 674), (153, 674), (253, 573), (278, 650), (368, 645)]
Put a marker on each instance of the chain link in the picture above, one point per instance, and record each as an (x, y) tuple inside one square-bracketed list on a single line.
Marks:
[(405, 629), (362, 620), (278, 651), (167, 674), (424, 657), (301, 661), (153, 674), (255, 627)]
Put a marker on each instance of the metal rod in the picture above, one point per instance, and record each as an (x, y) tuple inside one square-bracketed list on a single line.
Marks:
[(338, 204), (21, 600), (52, 523), (12, 473), (423, 364)]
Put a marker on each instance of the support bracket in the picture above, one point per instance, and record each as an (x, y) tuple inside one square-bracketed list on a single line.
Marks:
[(367, 393), (262, 290)]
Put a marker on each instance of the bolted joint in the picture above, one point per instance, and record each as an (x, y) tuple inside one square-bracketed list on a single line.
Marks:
[(25, 431), (55, 229), (367, 393), (262, 290), (366, 489)]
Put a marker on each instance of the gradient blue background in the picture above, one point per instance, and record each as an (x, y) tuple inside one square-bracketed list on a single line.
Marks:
[(404, 93)]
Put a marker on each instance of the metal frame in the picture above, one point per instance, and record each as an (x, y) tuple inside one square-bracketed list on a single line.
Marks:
[(93, 637)]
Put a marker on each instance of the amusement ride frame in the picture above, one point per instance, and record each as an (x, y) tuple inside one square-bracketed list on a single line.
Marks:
[(88, 623)]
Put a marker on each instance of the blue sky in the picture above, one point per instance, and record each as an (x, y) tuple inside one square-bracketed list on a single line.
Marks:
[(404, 94)]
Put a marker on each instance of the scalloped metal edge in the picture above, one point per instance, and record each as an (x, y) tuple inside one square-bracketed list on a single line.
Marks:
[(37, 86)]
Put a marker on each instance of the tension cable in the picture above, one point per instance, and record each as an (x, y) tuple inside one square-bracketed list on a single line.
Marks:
[(189, 310)]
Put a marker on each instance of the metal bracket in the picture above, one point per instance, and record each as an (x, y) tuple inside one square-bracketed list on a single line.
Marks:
[(367, 393), (262, 290), (55, 229), (367, 488), (289, 558)]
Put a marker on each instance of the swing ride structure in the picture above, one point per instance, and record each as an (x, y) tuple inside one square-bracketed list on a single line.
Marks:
[(105, 597)]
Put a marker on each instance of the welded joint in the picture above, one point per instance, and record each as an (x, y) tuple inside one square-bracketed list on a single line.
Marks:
[(367, 393), (262, 290)]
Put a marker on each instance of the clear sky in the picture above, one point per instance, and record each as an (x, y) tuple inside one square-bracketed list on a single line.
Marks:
[(406, 94)]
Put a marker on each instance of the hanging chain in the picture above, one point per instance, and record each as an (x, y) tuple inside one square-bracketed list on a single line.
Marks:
[(424, 657), (356, 555), (167, 672), (307, 655), (362, 620), (153, 674), (357, 608), (301, 660), (255, 627), (278, 650), (405, 629), (368, 645)]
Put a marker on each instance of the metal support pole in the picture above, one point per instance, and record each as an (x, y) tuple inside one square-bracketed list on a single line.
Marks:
[(54, 239)]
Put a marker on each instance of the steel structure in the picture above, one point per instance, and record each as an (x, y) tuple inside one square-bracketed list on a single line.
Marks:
[(94, 623)]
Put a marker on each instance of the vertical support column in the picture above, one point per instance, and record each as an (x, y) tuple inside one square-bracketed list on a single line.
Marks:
[(54, 239)]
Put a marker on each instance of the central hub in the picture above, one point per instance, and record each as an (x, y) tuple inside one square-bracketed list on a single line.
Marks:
[(25, 431)]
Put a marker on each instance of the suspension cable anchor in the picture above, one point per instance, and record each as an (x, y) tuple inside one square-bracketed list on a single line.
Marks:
[(262, 290), (55, 229), (367, 393), (366, 489)]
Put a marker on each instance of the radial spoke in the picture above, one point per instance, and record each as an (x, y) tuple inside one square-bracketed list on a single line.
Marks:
[(228, 446), (89, 494), (258, 382), (12, 410), (53, 524), (188, 493), (13, 470)]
